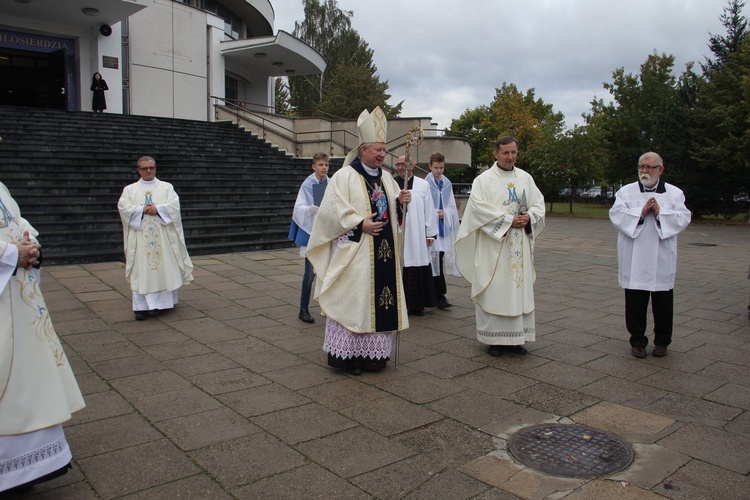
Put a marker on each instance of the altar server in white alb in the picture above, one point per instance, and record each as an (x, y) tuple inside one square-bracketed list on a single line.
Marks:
[(38, 391), (157, 263), (649, 214), (495, 251), (442, 252), (419, 235)]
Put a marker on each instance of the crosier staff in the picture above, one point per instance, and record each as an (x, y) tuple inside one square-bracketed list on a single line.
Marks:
[(414, 137)]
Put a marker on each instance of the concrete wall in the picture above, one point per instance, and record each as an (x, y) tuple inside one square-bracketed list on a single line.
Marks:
[(168, 61)]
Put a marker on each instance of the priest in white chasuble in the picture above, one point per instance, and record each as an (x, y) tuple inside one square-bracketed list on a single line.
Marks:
[(495, 251), (157, 263), (420, 233), (38, 391), (356, 255)]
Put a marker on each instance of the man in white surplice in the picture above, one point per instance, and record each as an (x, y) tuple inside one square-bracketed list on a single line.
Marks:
[(420, 234), (38, 391), (495, 247), (648, 214), (157, 263)]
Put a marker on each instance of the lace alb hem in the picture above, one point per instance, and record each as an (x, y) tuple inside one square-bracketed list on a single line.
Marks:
[(345, 344)]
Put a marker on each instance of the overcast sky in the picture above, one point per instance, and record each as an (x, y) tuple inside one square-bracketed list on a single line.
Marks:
[(443, 57)]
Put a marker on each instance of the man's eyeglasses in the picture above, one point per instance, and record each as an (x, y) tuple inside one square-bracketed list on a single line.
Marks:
[(648, 168), (147, 168)]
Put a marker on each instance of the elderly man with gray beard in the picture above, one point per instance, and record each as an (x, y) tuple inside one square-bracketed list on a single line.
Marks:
[(649, 214)]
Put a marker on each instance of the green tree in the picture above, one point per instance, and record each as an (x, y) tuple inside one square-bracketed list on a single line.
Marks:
[(281, 97), (721, 143), (511, 113), (644, 116), (327, 29)]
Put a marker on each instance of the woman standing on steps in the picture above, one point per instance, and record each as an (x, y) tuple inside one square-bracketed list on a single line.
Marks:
[(98, 86)]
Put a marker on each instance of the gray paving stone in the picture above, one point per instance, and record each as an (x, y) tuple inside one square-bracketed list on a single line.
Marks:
[(728, 373), (474, 408), (688, 408), (740, 425), (136, 468), (494, 381), (264, 399), (309, 481), (445, 365), (626, 368), (623, 392), (553, 399), (563, 374), (566, 353), (127, 367), (205, 363), (702, 480), (317, 420), (232, 380), (107, 352), (343, 392), (174, 350), (371, 451), (711, 445), (101, 405), (110, 434), (391, 415), (207, 428), (683, 383), (301, 376), (198, 486), (150, 384), (449, 484)]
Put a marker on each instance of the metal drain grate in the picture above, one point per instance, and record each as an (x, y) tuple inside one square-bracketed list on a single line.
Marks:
[(570, 450)]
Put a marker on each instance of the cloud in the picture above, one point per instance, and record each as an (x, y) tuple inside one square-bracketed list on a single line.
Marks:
[(443, 57)]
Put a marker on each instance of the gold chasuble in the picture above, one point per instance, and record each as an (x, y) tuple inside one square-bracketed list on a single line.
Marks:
[(359, 276)]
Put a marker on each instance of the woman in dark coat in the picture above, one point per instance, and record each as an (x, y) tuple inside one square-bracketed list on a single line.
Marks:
[(98, 86)]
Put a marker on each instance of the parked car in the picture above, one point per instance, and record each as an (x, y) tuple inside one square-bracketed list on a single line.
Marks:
[(565, 192), (598, 193)]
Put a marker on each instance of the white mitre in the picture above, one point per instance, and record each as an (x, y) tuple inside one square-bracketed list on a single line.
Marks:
[(372, 127)]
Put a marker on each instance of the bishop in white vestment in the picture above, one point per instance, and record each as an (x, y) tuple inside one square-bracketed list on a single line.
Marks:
[(38, 391), (157, 263), (355, 252), (495, 248)]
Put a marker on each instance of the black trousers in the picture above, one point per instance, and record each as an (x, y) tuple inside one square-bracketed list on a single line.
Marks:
[(636, 309), (440, 287)]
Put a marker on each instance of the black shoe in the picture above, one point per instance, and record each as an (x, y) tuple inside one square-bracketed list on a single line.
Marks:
[(443, 303), (353, 370), (415, 312), (495, 350), (304, 315), (516, 349), (141, 315)]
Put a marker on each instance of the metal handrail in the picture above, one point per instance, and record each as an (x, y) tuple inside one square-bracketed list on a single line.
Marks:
[(241, 112)]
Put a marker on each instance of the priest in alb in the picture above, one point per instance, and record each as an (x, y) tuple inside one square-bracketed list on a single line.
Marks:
[(157, 263), (38, 391), (356, 255), (495, 251)]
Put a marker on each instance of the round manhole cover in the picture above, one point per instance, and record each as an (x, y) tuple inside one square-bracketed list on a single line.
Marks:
[(570, 450)]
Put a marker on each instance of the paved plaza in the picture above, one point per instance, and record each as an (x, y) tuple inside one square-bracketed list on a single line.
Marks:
[(229, 395)]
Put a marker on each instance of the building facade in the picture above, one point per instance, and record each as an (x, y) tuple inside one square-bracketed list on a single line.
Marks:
[(169, 58)]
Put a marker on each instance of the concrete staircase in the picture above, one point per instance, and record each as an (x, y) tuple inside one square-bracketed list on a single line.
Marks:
[(66, 170)]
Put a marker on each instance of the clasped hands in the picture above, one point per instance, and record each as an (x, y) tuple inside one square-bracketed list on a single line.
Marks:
[(150, 209), (520, 220), (650, 206), (29, 251)]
